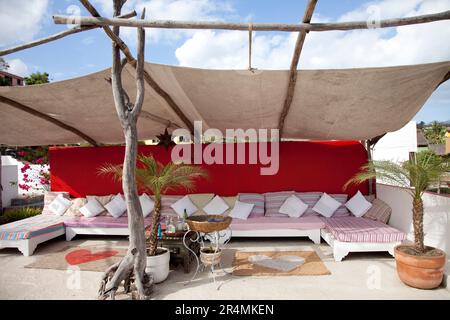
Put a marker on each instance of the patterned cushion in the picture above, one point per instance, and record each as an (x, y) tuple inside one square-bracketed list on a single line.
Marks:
[(353, 229), (230, 201), (342, 211), (49, 196), (166, 202), (379, 211), (74, 210), (31, 227), (103, 201), (257, 199), (200, 200), (311, 198), (274, 201)]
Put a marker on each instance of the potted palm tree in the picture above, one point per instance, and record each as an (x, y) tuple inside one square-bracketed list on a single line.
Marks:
[(418, 265), (157, 179)]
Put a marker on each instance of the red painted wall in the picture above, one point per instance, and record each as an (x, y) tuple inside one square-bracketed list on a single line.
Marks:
[(304, 166)]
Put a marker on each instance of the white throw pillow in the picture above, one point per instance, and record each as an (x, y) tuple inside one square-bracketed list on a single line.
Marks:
[(326, 205), (241, 210), (216, 206), (293, 207), (92, 208), (358, 205), (182, 204), (117, 206), (60, 205), (147, 204)]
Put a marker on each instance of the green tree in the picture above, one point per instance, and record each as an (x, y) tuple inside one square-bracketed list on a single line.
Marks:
[(37, 78), (156, 178), (3, 64), (414, 176), (435, 133)]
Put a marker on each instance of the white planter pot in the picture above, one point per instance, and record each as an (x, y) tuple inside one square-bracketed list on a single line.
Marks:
[(158, 266)]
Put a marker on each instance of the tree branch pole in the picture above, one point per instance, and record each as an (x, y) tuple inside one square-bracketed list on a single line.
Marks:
[(281, 27), (132, 266), (57, 36), (17, 105), (294, 64), (132, 61)]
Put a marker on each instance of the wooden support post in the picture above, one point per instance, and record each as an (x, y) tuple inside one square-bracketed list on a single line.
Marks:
[(57, 36), (293, 69), (280, 27), (132, 61), (20, 106)]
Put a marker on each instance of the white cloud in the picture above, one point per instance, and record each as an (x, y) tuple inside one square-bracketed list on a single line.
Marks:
[(88, 40), (198, 10), (20, 20), (18, 67), (362, 48)]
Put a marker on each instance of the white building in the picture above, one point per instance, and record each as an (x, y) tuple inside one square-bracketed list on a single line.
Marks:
[(10, 173), (396, 146)]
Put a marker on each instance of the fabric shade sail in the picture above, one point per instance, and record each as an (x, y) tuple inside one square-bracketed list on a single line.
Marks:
[(341, 104)]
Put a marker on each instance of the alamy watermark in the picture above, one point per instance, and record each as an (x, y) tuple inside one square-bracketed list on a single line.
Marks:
[(263, 147)]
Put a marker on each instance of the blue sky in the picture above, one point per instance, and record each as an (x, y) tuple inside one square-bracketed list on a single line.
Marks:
[(90, 51)]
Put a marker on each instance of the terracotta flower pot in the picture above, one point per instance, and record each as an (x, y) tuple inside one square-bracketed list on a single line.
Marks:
[(422, 272)]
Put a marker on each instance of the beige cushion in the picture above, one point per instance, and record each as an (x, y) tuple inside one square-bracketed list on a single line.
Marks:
[(49, 196), (230, 201), (200, 200), (74, 210), (379, 211), (103, 201)]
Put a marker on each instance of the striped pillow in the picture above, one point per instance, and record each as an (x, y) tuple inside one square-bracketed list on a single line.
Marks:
[(104, 200), (380, 211), (255, 198), (274, 201), (342, 211), (310, 198), (166, 203), (49, 196)]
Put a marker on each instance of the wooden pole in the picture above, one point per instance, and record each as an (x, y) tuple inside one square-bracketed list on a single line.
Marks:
[(57, 36), (20, 106), (132, 61), (293, 69), (281, 27), (134, 262), (1, 185)]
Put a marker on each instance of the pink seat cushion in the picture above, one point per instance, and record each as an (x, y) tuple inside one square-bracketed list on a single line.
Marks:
[(100, 222), (353, 229), (271, 223), (31, 227)]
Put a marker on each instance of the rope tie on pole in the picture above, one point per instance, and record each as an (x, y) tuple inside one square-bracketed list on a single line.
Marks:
[(250, 31)]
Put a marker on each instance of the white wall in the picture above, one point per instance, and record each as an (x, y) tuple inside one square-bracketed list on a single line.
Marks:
[(436, 217), (397, 145), (10, 170)]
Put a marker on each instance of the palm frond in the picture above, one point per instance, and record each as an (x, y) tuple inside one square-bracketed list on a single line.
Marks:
[(157, 178), (416, 176), (113, 170)]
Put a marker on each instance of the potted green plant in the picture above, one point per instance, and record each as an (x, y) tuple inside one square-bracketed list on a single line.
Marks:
[(157, 179), (418, 265)]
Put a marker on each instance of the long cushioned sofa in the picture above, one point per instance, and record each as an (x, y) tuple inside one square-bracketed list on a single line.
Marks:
[(343, 231)]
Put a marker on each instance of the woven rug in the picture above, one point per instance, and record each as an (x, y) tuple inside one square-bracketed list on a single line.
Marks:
[(278, 263), (86, 258)]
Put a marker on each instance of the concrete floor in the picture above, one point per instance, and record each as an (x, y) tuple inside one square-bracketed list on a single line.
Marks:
[(359, 276)]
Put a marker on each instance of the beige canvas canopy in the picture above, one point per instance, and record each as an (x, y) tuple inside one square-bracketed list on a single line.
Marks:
[(341, 104)]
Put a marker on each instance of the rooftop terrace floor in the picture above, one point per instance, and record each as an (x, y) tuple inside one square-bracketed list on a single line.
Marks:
[(358, 276)]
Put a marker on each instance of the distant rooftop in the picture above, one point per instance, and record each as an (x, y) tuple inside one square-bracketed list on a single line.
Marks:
[(7, 74)]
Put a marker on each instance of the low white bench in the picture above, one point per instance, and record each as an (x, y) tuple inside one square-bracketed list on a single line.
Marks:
[(26, 234)]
